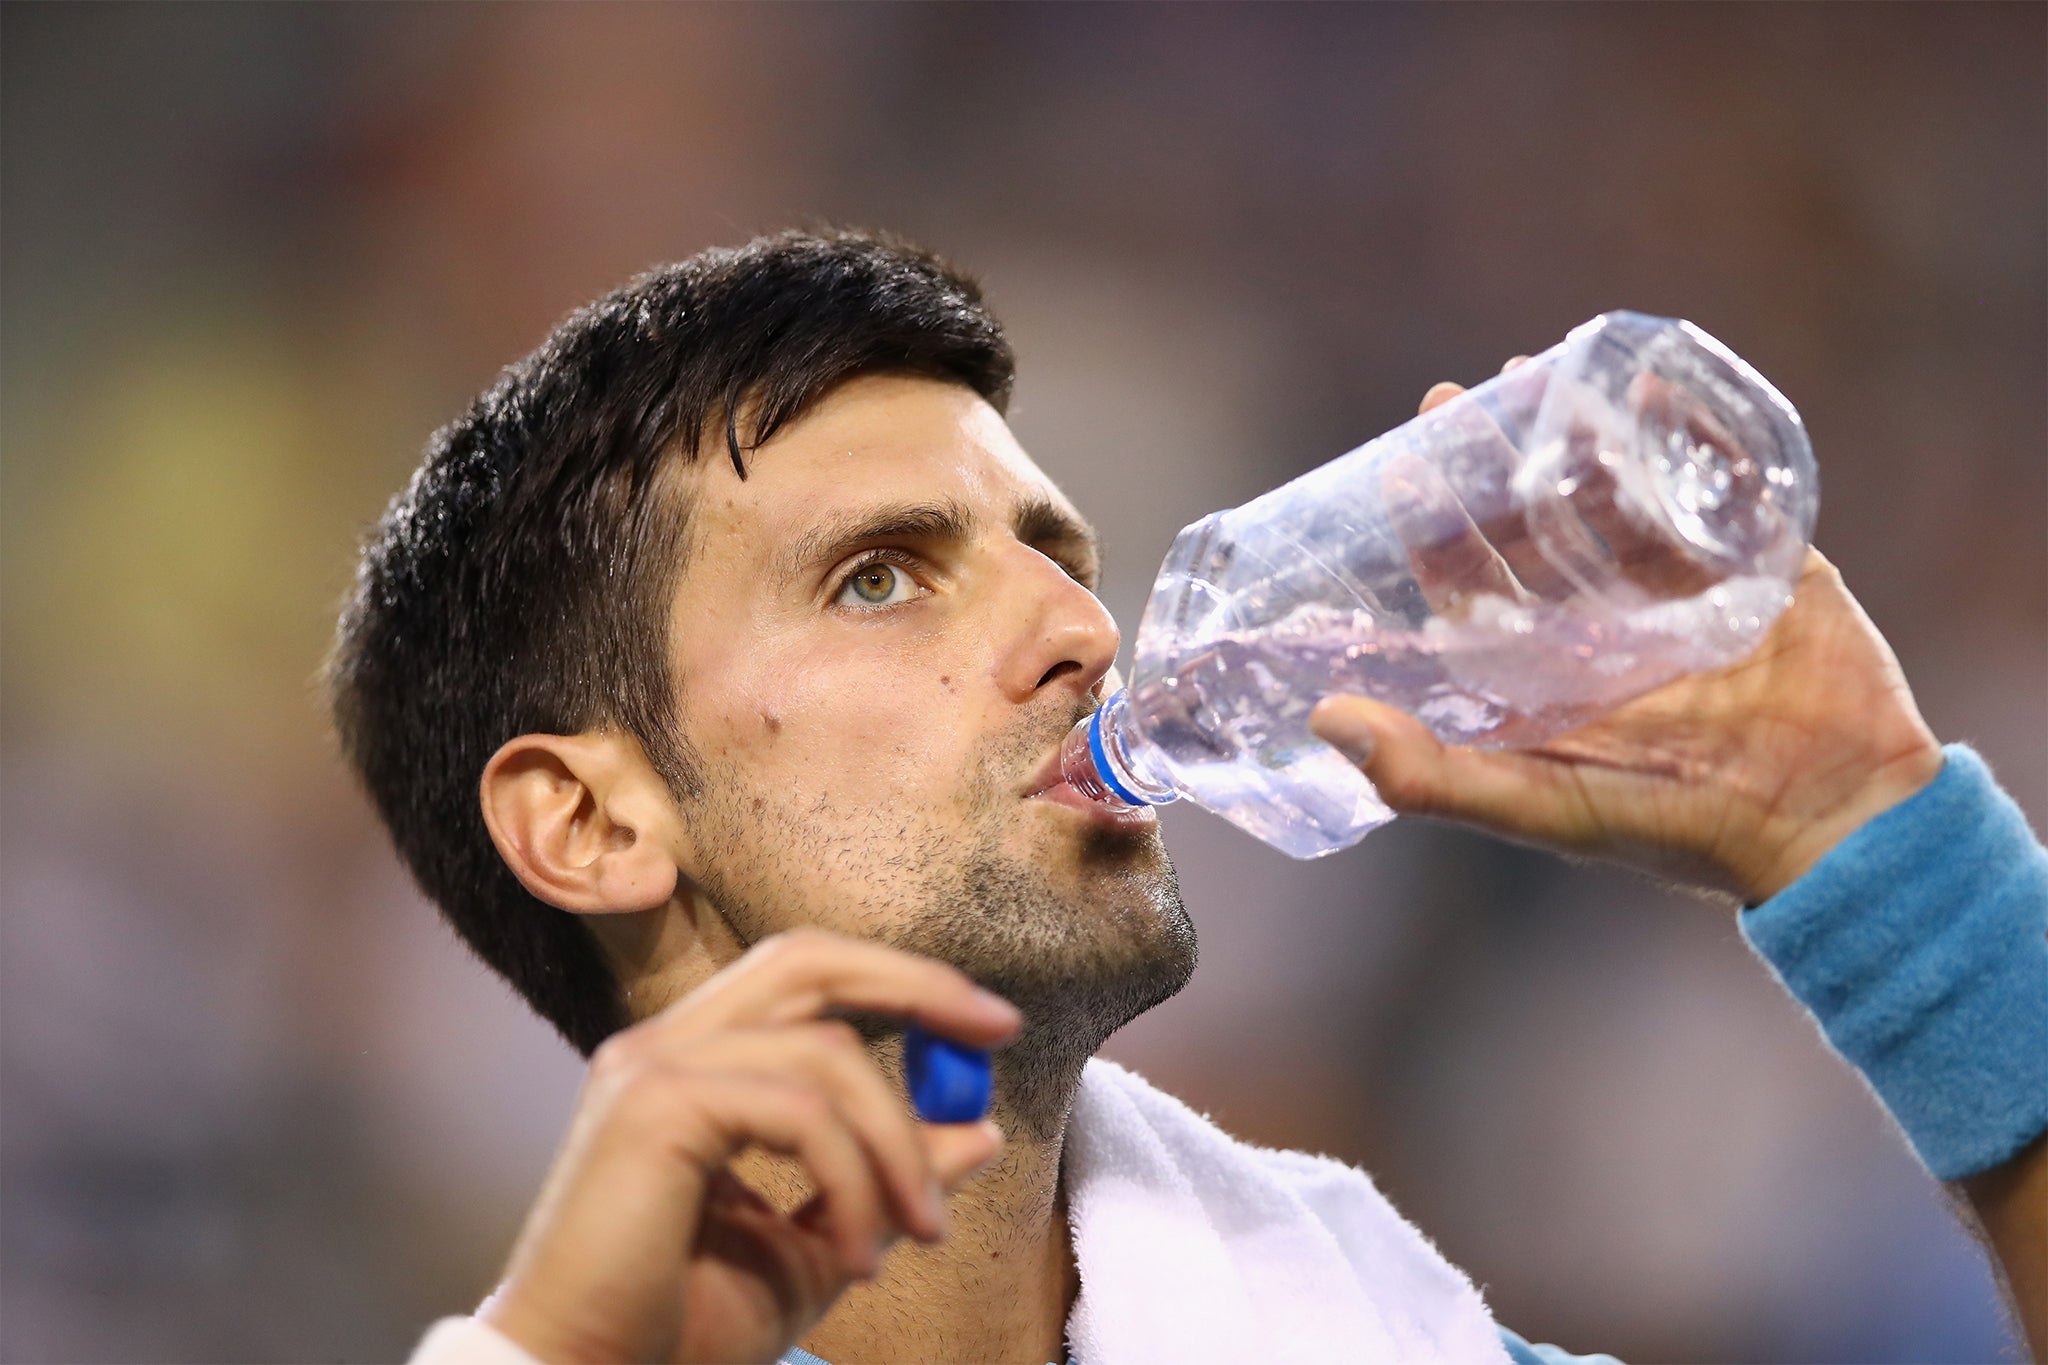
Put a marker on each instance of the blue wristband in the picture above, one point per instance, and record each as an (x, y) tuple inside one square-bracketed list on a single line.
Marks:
[(1920, 944)]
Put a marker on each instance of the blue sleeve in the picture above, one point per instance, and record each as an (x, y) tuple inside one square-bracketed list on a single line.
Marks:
[(1920, 946), (1522, 1353)]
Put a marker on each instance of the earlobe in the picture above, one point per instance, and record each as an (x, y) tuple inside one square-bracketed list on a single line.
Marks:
[(579, 819)]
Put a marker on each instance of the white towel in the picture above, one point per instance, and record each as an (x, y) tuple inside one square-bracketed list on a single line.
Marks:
[(1195, 1247)]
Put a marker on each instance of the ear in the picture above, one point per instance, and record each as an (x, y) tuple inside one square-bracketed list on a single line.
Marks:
[(582, 820)]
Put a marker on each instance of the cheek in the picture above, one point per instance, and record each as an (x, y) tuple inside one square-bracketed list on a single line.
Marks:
[(854, 719)]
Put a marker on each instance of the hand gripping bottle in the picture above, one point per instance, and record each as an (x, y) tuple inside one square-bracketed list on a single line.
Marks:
[(1631, 505)]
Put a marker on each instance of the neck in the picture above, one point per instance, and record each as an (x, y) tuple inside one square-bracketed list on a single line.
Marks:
[(997, 1288)]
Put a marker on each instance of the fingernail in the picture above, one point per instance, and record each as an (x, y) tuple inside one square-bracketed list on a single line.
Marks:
[(1354, 744), (994, 1130), (935, 1205), (864, 1263), (1347, 736), (1358, 748), (997, 1002)]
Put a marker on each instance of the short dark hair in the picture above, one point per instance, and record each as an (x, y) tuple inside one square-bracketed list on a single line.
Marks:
[(520, 583)]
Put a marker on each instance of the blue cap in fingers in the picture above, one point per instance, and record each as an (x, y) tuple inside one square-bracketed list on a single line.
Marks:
[(949, 1082)]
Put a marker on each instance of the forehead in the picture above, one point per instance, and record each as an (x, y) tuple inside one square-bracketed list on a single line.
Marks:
[(872, 441)]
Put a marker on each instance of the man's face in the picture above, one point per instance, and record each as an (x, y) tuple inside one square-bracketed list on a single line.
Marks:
[(880, 637)]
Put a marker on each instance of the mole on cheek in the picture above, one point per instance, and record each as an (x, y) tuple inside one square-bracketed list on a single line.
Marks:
[(945, 681), (771, 723)]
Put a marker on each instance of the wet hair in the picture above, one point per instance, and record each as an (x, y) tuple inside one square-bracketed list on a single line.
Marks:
[(520, 584)]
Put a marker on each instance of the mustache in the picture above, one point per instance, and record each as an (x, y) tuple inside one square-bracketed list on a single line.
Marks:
[(1007, 757)]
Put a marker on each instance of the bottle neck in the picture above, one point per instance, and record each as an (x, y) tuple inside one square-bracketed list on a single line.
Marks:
[(1103, 763)]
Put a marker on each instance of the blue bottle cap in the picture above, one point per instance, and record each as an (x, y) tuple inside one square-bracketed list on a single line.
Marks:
[(1103, 767), (948, 1082)]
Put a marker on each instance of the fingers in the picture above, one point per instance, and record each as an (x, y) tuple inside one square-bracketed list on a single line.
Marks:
[(1443, 392), (807, 1093), (642, 1209), (1651, 546), (710, 1111), (830, 1056), (759, 1021), (955, 1151), (1368, 732), (1439, 394), (1643, 550), (798, 1120), (1415, 773), (1640, 544), (640, 1190), (1452, 559), (804, 973)]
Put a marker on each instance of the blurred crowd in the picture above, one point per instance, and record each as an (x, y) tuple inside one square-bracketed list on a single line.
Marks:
[(255, 1104)]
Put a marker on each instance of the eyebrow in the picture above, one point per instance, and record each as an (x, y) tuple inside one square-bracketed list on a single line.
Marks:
[(1037, 521), (831, 539)]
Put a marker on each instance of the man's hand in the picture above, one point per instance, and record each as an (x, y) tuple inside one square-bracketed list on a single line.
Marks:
[(644, 1246), (1739, 780)]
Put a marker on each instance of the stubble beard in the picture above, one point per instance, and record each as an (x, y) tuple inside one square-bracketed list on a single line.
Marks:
[(1080, 956), (1079, 969)]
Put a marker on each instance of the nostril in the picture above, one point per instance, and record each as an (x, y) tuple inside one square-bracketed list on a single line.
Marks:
[(1067, 666)]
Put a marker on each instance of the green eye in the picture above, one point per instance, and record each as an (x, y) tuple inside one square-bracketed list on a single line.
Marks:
[(876, 583)]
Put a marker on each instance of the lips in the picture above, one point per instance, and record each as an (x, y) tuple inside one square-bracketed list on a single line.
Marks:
[(1049, 784), (1047, 777), (1126, 817)]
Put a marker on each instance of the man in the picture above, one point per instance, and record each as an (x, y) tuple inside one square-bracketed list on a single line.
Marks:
[(709, 676)]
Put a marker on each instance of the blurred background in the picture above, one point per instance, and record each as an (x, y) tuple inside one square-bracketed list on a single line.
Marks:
[(258, 1105)]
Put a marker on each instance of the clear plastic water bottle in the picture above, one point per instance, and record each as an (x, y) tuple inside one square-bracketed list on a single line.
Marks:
[(1631, 505)]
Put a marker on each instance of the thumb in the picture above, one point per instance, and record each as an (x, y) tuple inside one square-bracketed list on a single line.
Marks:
[(957, 1150), (1415, 773), (1410, 766)]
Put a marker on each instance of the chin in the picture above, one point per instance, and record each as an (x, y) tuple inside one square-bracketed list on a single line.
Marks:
[(1079, 964)]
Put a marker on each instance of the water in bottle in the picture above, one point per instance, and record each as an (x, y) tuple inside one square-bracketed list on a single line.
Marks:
[(1632, 505)]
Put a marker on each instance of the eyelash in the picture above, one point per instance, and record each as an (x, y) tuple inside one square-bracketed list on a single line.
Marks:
[(1073, 571), (897, 559)]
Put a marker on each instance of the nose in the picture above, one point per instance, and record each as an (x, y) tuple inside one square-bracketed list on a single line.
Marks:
[(1062, 636)]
